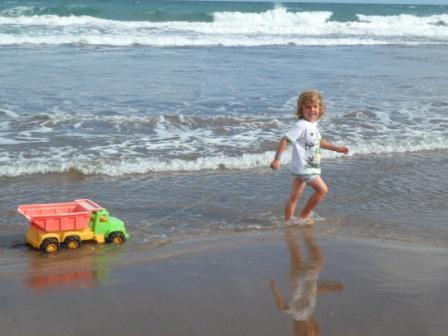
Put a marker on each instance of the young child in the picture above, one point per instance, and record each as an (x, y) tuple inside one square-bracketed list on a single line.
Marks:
[(306, 140)]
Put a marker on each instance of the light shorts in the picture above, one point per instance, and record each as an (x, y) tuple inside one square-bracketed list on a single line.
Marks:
[(306, 177)]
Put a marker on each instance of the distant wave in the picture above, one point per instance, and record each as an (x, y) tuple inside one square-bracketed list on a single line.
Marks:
[(273, 27)]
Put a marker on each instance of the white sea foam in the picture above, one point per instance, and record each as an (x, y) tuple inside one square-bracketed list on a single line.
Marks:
[(8, 113), (92, 143), (273, 27), (98, 161), (278, 18), (4, 125), (89, 165), (6, 141), (206, 41), (144, 144), (185, 41)]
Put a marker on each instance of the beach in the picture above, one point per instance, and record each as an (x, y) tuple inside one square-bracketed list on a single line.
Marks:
[(388, 282), (168, 114)]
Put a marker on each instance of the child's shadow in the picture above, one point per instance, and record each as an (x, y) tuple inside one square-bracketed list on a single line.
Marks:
[(303, 282)]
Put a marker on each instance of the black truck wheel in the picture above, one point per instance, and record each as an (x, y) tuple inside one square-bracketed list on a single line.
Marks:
[(72, 242), (49, 245), (116, 238)]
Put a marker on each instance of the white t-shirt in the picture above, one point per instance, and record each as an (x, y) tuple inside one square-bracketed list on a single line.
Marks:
[(304, 137)]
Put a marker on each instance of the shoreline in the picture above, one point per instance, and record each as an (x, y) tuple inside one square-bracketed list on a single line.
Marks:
[(368, 199)]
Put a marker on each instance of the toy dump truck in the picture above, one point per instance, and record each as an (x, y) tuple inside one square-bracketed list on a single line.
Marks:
[(68, 224)]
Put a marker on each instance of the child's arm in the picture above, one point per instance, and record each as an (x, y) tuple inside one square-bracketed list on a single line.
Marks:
[(328, 145), (330, 286), (275, 164)]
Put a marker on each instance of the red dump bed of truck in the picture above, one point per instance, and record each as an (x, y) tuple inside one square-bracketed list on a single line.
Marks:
[(60, 216)]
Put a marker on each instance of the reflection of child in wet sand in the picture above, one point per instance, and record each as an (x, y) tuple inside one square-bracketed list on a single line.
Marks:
[(303, 284)]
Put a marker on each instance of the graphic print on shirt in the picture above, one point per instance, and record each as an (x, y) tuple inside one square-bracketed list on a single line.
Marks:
[(312, 149)]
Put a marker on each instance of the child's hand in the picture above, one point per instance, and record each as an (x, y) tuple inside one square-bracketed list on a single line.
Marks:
[(275, 164), (343, 150)]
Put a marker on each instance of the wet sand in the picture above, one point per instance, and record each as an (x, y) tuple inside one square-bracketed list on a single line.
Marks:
[(231, 285)]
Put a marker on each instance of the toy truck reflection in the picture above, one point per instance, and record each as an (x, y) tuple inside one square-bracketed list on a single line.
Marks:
[(68, 224)]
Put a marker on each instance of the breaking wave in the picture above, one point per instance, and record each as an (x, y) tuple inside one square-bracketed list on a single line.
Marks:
[(278, 26)]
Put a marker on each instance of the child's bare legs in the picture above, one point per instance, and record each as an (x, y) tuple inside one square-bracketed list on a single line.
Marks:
[(297, 187), (320, 190)]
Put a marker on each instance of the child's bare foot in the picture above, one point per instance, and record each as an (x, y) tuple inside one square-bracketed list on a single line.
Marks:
[(304, 221), (291, 221)]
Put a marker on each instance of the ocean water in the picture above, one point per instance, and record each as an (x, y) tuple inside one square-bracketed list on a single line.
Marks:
[(177, 106)]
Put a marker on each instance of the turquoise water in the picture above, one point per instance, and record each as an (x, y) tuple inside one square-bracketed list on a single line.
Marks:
[(202, 10)]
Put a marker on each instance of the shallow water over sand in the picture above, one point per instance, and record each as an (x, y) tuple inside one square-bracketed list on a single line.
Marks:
[(398, 197)]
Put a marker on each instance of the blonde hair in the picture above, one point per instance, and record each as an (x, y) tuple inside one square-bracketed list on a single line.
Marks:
[(312, 96)]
